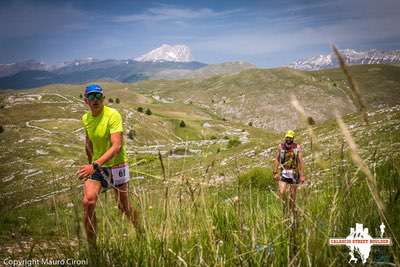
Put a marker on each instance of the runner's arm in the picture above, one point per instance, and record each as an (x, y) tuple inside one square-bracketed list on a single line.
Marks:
[(87, 170), (116, 145), (89, 149), (275, 170)]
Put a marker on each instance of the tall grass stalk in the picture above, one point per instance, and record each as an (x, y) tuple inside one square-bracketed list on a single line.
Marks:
[(166, 198), (371, 181), (356, 95), (313, 139)]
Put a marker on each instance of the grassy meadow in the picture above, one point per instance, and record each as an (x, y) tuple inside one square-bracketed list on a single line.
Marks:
[(215, 203)]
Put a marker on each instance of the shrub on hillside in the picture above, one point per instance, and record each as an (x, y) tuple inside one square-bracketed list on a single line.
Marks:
[(111, 100), (182, 124), (117, 100), (1, 128), (310, 121), (148, 111), (140, 109), (233, 141)]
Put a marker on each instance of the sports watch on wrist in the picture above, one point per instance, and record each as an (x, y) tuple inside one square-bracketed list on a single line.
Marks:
[(96, 166)]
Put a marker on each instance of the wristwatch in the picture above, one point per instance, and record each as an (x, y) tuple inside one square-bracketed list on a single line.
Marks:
[(96, 166)]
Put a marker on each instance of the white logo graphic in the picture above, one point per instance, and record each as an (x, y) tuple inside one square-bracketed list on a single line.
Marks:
[(361, 242)]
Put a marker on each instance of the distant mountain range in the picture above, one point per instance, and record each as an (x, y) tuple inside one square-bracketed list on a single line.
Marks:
[(81, 72), (164, 63), (352, 57), (13, 68)]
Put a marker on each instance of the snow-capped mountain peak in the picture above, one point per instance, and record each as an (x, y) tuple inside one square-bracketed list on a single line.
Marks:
[(352, 56), (174, 53)]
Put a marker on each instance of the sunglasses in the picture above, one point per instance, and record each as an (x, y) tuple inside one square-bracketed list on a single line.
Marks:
[(91, 97)]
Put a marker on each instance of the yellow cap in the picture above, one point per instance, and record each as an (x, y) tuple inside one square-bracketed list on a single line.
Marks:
[(290, 134)]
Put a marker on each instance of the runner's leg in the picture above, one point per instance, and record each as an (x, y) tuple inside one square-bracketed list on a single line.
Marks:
[(122, 197), (91, 190), (282, 190), (282, 195)]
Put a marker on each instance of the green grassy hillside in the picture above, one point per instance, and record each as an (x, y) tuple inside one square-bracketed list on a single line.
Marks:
[(227, 68), (262, 96), (222, 197)]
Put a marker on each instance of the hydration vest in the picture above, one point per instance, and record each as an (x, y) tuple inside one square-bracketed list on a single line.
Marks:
[(283, 160)]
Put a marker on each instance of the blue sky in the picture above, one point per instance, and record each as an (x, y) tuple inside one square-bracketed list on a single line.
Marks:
[(265, 33)]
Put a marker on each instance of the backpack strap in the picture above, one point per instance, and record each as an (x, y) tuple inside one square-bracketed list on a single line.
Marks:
[(282, 152), (295, 150)]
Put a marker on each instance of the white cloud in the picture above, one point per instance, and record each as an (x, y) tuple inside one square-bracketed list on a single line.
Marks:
[(348, 25), (165, 12)]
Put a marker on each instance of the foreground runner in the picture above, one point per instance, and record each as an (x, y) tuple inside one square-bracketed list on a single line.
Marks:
[(107, 159), (289, 168)]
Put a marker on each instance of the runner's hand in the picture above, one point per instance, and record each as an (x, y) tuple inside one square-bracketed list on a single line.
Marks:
[(85, 171), (277, 177), (302, 179)]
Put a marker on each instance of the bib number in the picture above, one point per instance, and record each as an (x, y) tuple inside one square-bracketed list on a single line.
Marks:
[(120, 174), (288, 174)]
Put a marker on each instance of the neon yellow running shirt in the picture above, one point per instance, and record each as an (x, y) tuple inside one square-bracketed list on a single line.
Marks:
[(99, 130)]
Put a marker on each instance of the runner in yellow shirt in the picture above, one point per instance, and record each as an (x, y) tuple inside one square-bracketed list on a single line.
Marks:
[(107, 158)]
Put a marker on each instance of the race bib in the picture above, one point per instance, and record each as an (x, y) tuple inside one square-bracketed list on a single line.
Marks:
[(288, 174), (120, 174)]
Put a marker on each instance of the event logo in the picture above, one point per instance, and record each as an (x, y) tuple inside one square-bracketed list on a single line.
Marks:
[(359, 241)]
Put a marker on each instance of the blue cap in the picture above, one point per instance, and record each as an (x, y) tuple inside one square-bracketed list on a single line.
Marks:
[(93, 88)]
